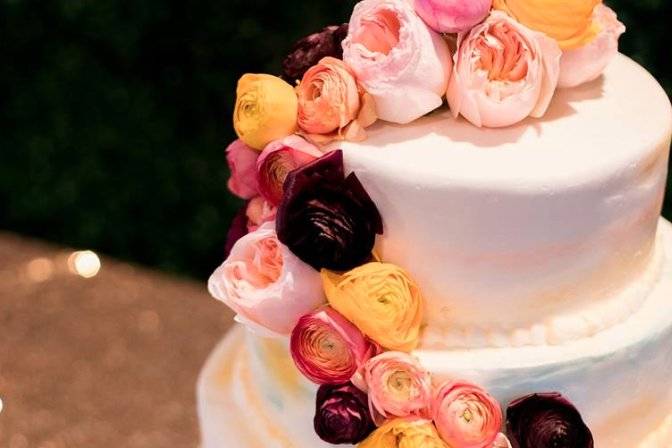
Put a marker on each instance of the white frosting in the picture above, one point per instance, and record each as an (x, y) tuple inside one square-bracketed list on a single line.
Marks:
[(246, 401), (618, 374), (513, 233), (250, 396)]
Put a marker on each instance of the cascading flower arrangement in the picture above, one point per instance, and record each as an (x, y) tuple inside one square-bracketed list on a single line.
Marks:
[(353, 332), (396, 60), (300, 261)]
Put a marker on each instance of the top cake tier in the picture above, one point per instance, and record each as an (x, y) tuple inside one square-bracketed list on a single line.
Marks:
[(538, 233)]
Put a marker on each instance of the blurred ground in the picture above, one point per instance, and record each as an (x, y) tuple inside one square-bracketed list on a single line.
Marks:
[(109, 361)]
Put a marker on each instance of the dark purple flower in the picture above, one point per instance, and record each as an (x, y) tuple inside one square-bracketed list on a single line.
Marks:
[(311, 49), (237, 230), (546, 420), (342, 414), (326, 219)]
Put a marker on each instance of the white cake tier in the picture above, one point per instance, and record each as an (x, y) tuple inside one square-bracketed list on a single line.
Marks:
[(531, 234), (251, 396)]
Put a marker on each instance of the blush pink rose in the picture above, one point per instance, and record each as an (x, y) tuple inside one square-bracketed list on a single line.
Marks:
[(242, 162), (452, 16), (398, 386), (327, 348), (258, 212), (277, 160), (504, 72), (332, 106), (265, 284), (466, 415), (397, 58), (585, 64)]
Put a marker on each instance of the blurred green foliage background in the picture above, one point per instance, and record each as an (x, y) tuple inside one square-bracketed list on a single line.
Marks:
[(114, 114)]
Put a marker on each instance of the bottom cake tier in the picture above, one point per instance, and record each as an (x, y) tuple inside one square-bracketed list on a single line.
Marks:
[(250, 394)]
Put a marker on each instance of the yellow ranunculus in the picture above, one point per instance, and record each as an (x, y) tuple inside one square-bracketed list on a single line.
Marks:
[(266, 110), (404, 433), (570, 22), (381, 300)]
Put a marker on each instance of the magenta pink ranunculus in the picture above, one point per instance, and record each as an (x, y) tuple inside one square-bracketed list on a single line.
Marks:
[(258, 212), (452, 16), (265, 284), (584, 64), (466, 415), (398, 386), (277, 160), (397, 58), (327, 348), (242, 162), (504, 72)]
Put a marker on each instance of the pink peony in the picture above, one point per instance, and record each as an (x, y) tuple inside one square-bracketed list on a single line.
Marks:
[(398, 386), (327, 348), (584, 64), (466, 415), (265, 284), (397, 58), (452, 16), (332, 106), (277, 160), (503, 73), (259, 211), (242, 163)]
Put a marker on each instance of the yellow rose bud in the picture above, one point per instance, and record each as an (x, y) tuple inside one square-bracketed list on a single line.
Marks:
[(570, 22), (381, 300), (404, 433), (266, 110)]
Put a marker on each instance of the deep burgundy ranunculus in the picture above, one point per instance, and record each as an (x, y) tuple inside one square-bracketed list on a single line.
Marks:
[(546, 420), (326, 219), (311, 49), (342, 414), (237, 230)]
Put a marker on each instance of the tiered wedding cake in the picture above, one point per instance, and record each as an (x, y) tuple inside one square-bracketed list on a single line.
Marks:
[(538, 259)]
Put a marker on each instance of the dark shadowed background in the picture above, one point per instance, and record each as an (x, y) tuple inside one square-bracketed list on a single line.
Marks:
[(114, 115)]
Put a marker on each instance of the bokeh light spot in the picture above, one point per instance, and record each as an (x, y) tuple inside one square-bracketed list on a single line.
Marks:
[(40, 269), (84, 263)]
